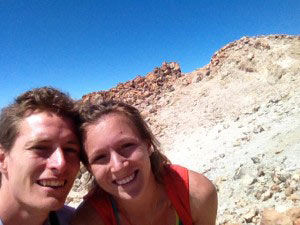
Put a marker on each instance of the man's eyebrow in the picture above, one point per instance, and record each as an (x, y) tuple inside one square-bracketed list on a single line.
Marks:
[(46, 141), (37, 141), (73, 142)]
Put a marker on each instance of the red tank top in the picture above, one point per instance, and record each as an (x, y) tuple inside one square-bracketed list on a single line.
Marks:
[(176, 181)]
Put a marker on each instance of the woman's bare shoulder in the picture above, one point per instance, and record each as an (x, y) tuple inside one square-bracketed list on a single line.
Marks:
[(203, 199), (86, 214)]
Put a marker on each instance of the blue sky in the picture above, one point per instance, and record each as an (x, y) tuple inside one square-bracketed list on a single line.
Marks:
[(82, 46)]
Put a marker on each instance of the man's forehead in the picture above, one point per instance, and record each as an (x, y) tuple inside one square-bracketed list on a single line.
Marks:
[(38, 121), (39, 115)]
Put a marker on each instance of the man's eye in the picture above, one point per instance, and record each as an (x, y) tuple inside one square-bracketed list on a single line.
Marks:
[(71, 150), (40, 148)]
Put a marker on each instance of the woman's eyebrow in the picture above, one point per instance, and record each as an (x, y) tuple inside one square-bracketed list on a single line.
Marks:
[(96, 152)]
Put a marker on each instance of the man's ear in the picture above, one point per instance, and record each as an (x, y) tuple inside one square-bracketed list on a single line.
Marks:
[(3, 164)]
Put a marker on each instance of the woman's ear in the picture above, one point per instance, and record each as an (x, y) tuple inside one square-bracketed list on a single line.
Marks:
[(150, 148)]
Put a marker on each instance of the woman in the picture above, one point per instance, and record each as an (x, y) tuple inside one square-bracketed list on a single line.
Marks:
[(136, 184)]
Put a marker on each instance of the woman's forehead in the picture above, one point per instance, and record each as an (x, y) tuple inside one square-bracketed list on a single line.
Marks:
[(112, 121)]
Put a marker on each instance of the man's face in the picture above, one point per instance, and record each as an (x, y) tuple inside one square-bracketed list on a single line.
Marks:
[(43, 162)]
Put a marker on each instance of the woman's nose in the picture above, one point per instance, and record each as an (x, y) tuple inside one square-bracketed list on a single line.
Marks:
[(118, 162)]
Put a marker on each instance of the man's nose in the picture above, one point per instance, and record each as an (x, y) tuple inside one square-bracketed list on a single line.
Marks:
[(118, 162), (57, 161)]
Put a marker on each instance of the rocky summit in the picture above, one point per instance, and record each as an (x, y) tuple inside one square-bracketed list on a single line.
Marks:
[(236, 120)]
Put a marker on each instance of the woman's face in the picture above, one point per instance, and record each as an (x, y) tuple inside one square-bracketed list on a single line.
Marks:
[(118, 157)]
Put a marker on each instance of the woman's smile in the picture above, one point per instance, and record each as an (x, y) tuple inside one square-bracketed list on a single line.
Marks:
[(126, 180)]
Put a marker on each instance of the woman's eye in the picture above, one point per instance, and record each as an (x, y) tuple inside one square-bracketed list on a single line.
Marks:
[(127, 149), (100, 159), (128, 145)]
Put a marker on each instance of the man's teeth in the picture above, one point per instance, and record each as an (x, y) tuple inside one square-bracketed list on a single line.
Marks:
[(52, 183), (125, 180)]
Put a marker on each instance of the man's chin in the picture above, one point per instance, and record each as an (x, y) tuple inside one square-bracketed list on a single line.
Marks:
[(51, 199), (53, 204)]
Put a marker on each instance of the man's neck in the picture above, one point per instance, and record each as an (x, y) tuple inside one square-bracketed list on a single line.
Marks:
[(12, 213)]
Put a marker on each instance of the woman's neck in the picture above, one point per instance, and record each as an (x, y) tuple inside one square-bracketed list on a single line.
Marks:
[(149, 201)]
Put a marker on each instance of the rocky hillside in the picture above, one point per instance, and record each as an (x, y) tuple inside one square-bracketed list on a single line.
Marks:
[(236, 120)]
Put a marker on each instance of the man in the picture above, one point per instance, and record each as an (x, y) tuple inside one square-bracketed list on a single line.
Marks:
[(39, 158)]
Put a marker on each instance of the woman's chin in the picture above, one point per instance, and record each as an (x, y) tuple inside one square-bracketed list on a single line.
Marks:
[(132, 189)]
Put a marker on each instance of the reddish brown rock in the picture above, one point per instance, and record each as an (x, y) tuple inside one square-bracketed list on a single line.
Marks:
[(272, 217), (294, 213), (297, 222), (141, 88)]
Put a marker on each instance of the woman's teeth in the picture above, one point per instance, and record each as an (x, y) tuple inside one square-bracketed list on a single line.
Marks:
[(125, 180)]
